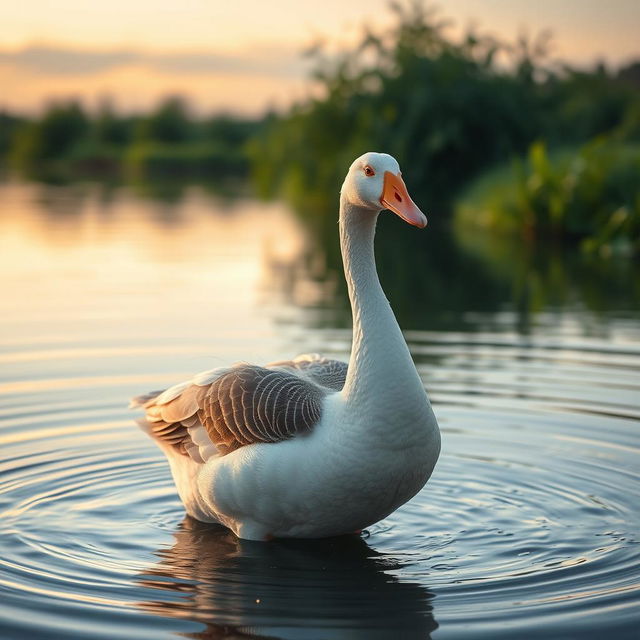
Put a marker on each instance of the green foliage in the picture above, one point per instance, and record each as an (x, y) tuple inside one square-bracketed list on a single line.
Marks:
[(194, 160), (229, 131), (576, 106), (169, 124), (448, 111), (442, 109), (111, 129), (591, 193), (169, 144), (9, 124), (46, 140), (66, 143)]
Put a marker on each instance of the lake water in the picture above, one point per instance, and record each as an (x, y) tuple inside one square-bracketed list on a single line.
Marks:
[(529, 527)]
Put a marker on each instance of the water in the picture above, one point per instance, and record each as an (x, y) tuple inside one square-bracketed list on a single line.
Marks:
[(528, 528)]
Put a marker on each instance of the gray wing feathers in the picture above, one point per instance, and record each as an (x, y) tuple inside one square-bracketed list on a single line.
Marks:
[(233, 408), (325, 372)]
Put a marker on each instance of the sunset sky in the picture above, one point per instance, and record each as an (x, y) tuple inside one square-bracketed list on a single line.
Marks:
[(243, 55)]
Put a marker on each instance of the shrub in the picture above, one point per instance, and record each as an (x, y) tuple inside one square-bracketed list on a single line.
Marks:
[(591, 194)]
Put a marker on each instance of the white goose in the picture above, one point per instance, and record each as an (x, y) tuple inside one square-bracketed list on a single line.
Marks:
[(310, 447)]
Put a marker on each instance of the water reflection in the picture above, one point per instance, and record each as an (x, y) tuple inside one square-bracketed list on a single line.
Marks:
[(331, 588), (436, 276), (433, 278), (122, 267), (553, 275), (528, 527)]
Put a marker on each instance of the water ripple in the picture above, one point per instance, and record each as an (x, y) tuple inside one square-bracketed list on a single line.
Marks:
[(529, 524)]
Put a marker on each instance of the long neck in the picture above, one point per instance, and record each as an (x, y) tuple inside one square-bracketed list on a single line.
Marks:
[(380, 361)]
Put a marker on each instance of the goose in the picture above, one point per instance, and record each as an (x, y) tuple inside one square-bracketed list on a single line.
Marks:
[(310, 447)]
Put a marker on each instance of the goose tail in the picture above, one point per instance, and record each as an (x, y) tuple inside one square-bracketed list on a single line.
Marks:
[(143, 400)]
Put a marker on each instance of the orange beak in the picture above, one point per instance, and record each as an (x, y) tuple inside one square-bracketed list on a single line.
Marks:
[(395, 197)]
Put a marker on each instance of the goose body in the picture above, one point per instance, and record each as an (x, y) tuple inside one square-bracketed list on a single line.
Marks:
[(310, 447)]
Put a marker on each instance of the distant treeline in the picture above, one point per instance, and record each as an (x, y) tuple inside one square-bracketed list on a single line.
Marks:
[(451, 111), (67, 142), (494, 132)]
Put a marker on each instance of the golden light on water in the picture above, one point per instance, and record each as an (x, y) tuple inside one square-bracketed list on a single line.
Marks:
[(115, 256)]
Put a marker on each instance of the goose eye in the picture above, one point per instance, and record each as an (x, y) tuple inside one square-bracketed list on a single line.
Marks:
[(368, 171)]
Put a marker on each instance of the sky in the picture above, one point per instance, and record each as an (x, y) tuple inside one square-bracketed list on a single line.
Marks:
[(245, 56)]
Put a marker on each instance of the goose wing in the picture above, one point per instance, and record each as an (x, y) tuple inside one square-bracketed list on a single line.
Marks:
[(328, 373), (224, 409)]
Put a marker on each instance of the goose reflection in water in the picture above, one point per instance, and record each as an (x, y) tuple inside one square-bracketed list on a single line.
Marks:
[(331, 588)]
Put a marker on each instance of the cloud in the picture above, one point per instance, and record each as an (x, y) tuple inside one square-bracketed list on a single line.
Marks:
[(245, 82), (59, 60)]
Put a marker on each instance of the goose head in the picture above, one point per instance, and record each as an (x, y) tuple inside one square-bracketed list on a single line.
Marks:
[(374, 182)]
